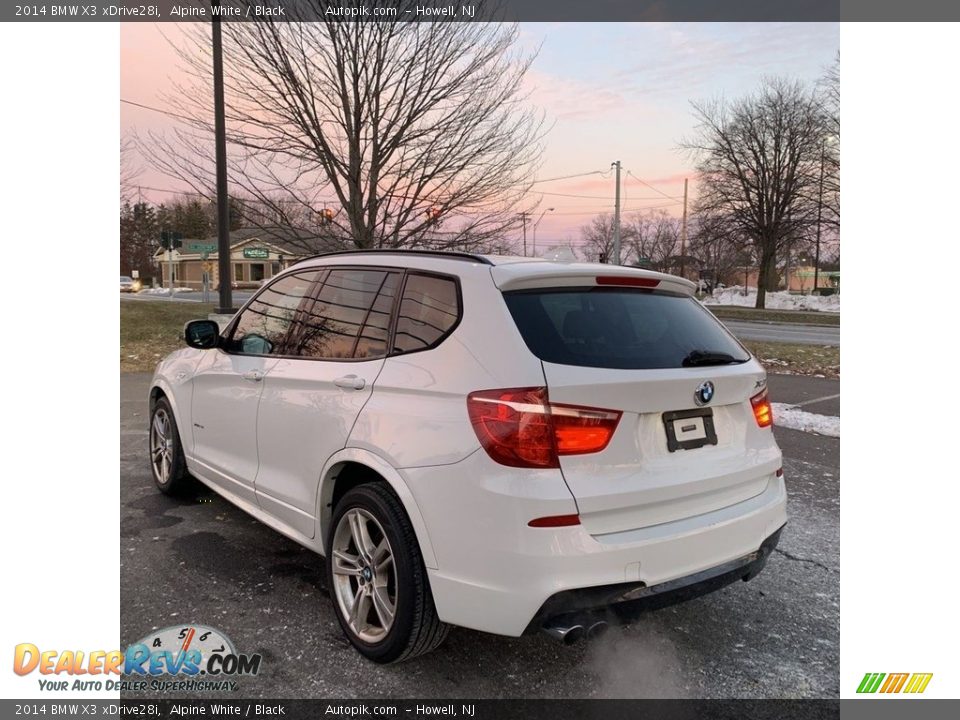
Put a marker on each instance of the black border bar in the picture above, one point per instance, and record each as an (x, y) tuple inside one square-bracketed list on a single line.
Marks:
[(506, 10), (446, 709)]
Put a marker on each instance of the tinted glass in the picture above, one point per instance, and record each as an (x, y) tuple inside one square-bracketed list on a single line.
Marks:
[(263, 325), (613, 328), (350, 318), (428, 311)]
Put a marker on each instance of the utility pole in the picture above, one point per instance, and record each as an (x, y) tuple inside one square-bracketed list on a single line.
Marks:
[(170, 268), (535, 226), (616, 217), (683, 230), (223, 201), (816, 260), (523, 216)]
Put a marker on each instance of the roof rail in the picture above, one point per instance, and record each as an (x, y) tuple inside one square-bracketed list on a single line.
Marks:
[(449, 254)]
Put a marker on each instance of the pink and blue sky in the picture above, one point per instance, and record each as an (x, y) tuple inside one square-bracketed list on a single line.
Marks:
[(610, 91)]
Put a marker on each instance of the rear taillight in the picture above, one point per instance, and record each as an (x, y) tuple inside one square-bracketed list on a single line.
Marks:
[(519, 427), (580, 430), (761, 409)]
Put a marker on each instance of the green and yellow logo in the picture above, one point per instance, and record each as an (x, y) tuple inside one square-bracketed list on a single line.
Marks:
[(894, 682)]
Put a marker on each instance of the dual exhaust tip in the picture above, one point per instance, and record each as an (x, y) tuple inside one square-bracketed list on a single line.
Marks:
[(570, 634)]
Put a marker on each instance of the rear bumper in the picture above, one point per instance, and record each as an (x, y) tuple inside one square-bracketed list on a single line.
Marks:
[(625, 602), (496, 574)]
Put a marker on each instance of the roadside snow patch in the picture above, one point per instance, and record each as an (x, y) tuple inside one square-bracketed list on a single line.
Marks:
[(166, 291), (792, 417), (775, 300)]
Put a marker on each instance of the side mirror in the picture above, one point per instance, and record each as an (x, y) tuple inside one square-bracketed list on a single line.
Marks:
[(202, 334)]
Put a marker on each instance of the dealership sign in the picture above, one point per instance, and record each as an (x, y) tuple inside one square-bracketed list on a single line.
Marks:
[(256, 253)]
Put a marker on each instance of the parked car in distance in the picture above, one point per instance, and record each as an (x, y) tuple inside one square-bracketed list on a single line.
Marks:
[(505, 444), (128, 284)]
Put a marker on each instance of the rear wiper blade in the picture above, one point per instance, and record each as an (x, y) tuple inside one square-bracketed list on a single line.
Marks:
[(708, 357)]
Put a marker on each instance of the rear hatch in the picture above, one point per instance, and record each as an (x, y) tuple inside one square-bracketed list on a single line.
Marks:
[(688, 441)]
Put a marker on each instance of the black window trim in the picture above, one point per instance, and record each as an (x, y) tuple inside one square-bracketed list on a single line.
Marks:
[(313, 293)]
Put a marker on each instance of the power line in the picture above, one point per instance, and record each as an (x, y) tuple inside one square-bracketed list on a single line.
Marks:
[(590, 197), (172, 192), (656, 190), (568, 177), (156, 110)]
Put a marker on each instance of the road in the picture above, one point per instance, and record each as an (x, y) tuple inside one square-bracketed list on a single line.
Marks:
[(202, 560), (196, 296), (785, 332)]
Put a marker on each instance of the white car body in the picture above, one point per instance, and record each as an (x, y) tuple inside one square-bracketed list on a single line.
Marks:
[(274, 436)]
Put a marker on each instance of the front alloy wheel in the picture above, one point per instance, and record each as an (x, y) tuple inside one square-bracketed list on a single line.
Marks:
[(166, 454), (161, 446)]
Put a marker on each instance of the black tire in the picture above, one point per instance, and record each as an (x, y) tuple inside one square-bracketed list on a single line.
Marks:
[(177, 481), (416, 629)]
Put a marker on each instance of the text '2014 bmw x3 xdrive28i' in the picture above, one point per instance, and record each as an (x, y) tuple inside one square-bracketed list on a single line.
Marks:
[(506, 444)]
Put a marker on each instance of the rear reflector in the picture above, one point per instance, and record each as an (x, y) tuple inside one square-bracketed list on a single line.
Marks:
[(761, 409), (629, 280), (555, 521), (519, 427)]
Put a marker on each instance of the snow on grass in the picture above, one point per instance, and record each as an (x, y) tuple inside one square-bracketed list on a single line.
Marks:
[(775, 300), (792, 417), (166, 291)]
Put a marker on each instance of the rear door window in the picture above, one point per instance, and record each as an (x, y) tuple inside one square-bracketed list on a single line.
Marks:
[(623, 328), (350, 317)]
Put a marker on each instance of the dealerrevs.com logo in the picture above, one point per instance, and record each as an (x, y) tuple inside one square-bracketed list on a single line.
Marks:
[(911, 683), (176, 658)]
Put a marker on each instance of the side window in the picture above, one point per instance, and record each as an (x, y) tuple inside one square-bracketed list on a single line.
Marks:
[(428, 311), (263, 325), (350, 317)]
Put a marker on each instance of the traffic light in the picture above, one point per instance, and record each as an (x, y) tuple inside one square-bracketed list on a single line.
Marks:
[(432, 214), (170, 240), (326, 216)]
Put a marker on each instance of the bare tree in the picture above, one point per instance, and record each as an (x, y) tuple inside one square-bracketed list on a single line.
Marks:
[(130, 170), (652, 237), (597, 238), (829, 94), (412, 133), (719, 246), (759, 161)]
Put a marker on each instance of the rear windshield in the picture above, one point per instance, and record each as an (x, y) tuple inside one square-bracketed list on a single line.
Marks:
[(623, 328)]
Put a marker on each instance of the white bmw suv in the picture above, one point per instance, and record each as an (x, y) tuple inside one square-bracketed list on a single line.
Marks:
[(505, 444)]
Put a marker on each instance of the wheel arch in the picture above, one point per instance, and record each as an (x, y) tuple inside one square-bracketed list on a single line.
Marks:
[(353, 466), (158, 388)]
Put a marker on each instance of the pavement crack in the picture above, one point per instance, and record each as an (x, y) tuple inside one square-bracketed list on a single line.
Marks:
[(805, 560)]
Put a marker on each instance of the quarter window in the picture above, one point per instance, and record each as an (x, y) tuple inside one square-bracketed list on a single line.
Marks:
[(428, 311), (262, 327), (350, 317)]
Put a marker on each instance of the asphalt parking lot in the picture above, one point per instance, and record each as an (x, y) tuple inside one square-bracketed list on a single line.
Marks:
[(204, 561)]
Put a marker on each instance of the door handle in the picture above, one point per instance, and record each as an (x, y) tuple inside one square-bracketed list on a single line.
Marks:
[(350, 382), (253, 376)]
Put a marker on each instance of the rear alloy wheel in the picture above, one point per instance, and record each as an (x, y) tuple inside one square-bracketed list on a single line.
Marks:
[(364, 576), (166, 454), (377, 579)]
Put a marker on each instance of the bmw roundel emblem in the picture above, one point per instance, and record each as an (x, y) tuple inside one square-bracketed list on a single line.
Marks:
[(704, 393)]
